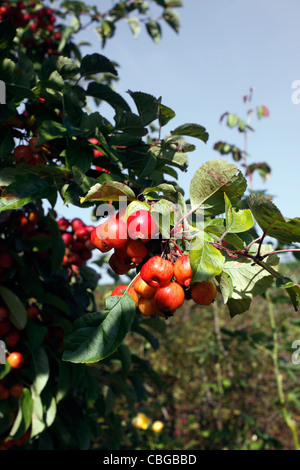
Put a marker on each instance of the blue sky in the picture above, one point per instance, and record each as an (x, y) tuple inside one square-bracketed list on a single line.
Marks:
[(222, 49)]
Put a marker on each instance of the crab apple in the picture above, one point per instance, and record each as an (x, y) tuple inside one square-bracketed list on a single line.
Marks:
[(148, 306), (82, 233), (15, 360), (203, 293), (118, 265), (98, 242), (143, 289), (22, 153), (141, 225), (170, 297), (32, 311), (89, 245), (114, 231), (63, 224), (157, 271), (119, 290), (183, 271), (4, 327), (12, 338), (4, 313), (135, 249), (68, 238), (4, 392), (16, 390), (77, 223), (34, 216)]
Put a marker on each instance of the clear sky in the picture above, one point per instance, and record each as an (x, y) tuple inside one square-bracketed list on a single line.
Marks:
[(223, 48)]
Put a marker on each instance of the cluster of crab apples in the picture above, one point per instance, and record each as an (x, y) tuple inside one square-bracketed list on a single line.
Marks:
[(163, 283)]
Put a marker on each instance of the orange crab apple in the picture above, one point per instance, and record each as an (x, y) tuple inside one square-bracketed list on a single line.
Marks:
[(203, 293), (143, 289)]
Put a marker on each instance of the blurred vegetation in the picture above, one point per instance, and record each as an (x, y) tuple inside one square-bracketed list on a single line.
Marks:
[(214, 381)]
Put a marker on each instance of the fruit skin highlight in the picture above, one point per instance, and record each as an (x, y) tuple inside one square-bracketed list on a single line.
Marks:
[(157, 272), (183, 271)]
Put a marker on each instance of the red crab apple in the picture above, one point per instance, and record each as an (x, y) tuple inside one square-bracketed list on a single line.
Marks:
[(141, 225), (157, 271), (183, 271), (170, 297)]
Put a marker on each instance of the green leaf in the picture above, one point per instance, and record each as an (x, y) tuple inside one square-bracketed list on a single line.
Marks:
[(226, 286), (172, 18), (147, 106), (165, 115), (17, 310), (41, 370), (292, 289), (24, 415), (79, 154), (192, 130), (134, 25), (232, 120), (249, 280), (272, 222), (154, 30), (206, 260), (105, 93), (130, 123), (66, 67), (211, 181), (237, 221), (170, 157), (109, 191), (96, 63), (96, 336), (49, 130)]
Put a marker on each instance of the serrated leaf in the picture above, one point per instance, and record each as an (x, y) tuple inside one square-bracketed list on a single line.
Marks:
[(237, 221), (272, 222), (108, 191), (96, 63), (147, 106), (105, 93), (17, 310), (96, 336), (170, 157), (165, 115), (211, 181), (249, 279), (172, 18), (192, 130)]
